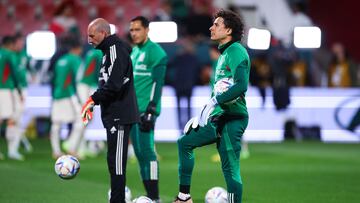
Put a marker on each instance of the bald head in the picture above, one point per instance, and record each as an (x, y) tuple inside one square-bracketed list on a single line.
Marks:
[(98, 30), (100, 24)]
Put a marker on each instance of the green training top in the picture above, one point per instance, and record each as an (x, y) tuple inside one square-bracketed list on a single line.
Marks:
[(92, 66), (8, 71), (212, 77), (65, 75), (233, 64), (22, 61), (149, 62)]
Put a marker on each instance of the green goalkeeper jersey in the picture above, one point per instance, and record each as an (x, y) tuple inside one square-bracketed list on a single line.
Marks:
[(9, 76), (149, 63), (234, 65), (92, 66), (65, 76)]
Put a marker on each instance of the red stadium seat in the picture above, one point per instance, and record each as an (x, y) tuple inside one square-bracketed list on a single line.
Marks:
[(107, 12), (24, 12), (48, 11), (10, 27)]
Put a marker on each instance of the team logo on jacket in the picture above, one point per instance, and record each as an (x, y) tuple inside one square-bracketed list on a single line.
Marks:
[(112, 130), (103, 75)]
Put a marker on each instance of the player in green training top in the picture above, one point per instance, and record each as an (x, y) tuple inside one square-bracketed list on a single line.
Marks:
[(9, 86), (23, 72), (224, 118), (149, 62), (85, 88), (89, 80), (66, 107)]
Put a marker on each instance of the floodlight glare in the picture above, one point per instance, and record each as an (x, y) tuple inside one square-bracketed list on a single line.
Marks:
[(307, 37), (41, 45), (163, 31), (258, 38)]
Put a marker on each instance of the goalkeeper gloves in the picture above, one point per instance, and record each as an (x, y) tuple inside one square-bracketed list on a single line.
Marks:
[(206, 111), (193, 123), (147, 119), (87, 111)]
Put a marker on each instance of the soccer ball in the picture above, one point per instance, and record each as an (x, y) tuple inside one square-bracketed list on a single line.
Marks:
[(142, 199), (67, 167), (216, 195), (223, 85), (127, 194)]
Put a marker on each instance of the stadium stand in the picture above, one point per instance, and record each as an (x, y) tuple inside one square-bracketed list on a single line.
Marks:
[(30, 15)]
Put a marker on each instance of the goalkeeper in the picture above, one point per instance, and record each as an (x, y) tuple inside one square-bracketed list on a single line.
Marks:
[(224, 118), (149, 62)]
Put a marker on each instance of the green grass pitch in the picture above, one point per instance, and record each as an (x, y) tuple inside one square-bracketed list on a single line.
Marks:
[(289, 172)]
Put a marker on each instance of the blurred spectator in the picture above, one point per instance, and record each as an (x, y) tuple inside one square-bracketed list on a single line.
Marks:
[(186, 68), (299, 73), (280, 61), (180, 10), (64, 22), (163, 13), (342, 71), (199, 21), (65, 27), (321, 63), (260, 74), (302, 69), (300, 17)]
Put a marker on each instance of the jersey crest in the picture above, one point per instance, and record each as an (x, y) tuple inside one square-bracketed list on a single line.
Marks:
[(220, 72), (141, 57)]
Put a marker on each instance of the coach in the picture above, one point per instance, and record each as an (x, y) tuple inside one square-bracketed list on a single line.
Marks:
[(116, 96)]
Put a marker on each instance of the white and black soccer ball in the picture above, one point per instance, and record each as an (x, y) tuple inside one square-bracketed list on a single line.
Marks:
[(216, 195), (223, 85), (67, 167), (142, 199)]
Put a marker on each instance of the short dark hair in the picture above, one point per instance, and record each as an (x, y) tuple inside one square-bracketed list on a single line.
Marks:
[(7, 40), (144, 21), (18, 36), (233, 21), (73, 41)]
